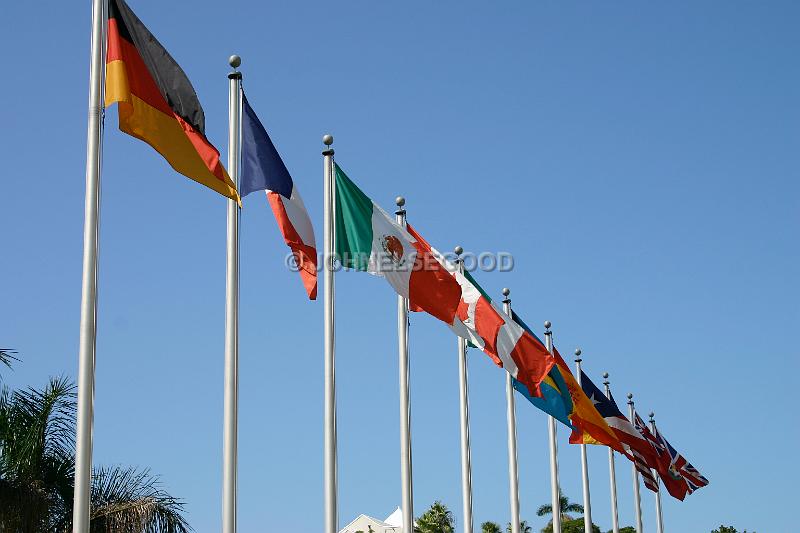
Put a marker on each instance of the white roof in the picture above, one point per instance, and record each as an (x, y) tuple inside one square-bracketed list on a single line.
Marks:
[(393, 523), (395, 519), (358, 518)]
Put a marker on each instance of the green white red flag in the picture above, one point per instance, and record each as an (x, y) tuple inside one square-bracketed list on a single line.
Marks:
[(367, 239)]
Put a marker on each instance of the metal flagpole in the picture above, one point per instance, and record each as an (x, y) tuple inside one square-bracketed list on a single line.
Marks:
[(587, 503), (230, 445), (88, 324), (330, 472), (612, 474), (659, 513), (511, 419), (636, 497), (551, 427), (466, 461), (406, 479)]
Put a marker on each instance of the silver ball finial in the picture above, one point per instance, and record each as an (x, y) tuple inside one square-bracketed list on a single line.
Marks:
[(652, 415), (400, 201), (506, 291), (458, 250), (605, 375), (547, 324), (235, 61), (577, 352), (630, 396), (327, 139)]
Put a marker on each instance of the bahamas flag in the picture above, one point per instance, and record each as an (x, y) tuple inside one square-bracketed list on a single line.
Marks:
[(563, 399), (555, 400)]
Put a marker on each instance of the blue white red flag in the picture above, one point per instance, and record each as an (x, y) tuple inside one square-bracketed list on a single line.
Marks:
[(640, 449), (264, 170)]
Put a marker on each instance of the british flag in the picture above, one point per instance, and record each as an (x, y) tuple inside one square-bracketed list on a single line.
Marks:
[(649, 481), (678, 464), (679, 476), (642, 428)]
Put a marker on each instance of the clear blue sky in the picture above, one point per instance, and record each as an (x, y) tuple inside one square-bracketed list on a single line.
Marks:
[(640, 160)]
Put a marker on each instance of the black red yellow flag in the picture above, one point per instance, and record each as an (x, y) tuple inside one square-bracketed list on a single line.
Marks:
[(157, 102)]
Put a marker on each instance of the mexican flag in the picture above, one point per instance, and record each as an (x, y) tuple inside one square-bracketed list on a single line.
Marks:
[(368, 239)]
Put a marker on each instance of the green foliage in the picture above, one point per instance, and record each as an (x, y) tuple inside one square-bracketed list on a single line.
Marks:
[(36, 461), (491, 527), (6, 356), (37, 469), (571, 526), (129, 499), (564, 504), (728, 529), (437, 519), (523, 527)]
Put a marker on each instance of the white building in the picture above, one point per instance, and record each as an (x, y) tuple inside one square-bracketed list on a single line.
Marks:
[(366, 524)]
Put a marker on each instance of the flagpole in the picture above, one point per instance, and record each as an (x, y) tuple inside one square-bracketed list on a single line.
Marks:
[(636, 496), (659, 513), (511, 419), (466, 464), (587, 503), (551, 427), (230, 444), (88, 325), (406, 479), (330, 474), (612, 474)]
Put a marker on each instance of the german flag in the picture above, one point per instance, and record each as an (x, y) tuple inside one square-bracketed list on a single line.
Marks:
[(157, 102)]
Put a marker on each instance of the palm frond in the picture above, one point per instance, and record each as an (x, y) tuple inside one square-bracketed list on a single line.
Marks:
[(36, 457), (23, 507), (5, 416), (130, 499), (563, 501), (37, 468), (6, 356), (39, 427), (523, 527), (544, 509), (574, 508)]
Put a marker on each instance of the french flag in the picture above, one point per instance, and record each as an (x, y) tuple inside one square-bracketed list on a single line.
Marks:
[(263, 170)]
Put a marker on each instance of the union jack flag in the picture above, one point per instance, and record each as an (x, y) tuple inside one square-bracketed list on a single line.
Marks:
[(693, 478), (681, 477), (644, 468), (641, 427)]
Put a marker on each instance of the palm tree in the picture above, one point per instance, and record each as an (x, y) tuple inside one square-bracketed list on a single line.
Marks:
[(6, 356), (523, 527), (490, 527), (564, 505), (437, 519), (37, 468)]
